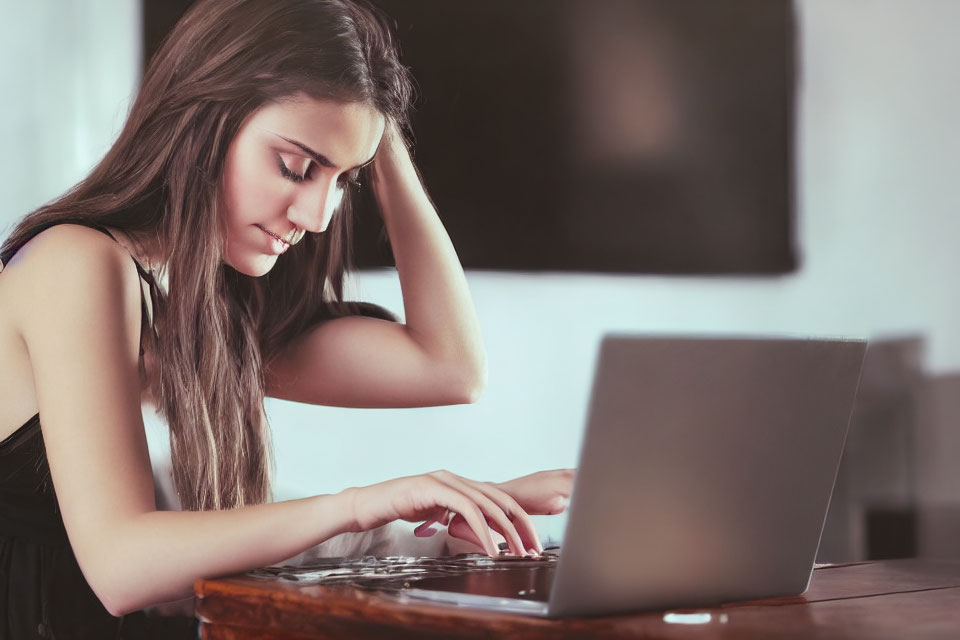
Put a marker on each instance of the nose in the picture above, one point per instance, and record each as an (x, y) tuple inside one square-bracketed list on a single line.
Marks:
[(314, 205)]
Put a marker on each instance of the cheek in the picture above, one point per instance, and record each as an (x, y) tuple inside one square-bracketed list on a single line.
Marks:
[(232, 192), (250, 196)]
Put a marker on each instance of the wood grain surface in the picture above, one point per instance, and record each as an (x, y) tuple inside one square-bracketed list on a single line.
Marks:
[(916, 599)]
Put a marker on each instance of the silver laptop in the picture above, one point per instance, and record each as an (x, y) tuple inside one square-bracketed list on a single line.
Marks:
[(705, 474)]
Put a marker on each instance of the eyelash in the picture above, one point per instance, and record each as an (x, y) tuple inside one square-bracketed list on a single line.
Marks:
[(351, 178)]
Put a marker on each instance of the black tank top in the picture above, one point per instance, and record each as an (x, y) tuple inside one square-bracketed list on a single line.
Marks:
[(43, 593)]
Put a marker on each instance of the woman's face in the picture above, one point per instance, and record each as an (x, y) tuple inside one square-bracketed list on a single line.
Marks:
[(286, 171)]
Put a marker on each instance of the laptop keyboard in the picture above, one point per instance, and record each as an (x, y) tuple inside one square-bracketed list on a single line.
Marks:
[(398, 572)]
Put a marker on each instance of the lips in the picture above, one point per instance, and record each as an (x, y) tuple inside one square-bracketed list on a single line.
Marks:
[(279, 244)]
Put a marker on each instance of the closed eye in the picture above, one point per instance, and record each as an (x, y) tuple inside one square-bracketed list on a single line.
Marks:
[(291, 175), (348, 179)]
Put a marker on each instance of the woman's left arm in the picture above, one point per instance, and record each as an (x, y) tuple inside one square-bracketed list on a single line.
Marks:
[(436, 357)]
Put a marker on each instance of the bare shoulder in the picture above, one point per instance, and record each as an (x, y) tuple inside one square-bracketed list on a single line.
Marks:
[(61, 242), (79, 312), (66, 266)]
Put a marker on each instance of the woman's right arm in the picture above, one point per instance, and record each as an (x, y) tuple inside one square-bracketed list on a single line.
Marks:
[(80, 319)]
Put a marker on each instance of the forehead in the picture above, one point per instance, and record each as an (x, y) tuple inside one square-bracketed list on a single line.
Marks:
[(347, 133)]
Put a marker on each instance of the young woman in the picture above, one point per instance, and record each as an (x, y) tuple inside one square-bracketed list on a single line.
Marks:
[(230, 188)]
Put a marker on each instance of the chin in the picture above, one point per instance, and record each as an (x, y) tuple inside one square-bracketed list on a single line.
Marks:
[(254, 266)]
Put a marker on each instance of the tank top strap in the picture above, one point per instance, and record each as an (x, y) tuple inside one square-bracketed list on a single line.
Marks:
[(146, 276)]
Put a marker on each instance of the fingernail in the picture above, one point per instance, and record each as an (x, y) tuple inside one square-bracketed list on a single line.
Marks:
[(424, 532)]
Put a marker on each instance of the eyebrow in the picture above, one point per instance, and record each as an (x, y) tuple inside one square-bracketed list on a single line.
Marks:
[(320, 158)]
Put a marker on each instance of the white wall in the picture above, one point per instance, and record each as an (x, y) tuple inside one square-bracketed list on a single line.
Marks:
[(68, 72), (879, 130), (878, 134)]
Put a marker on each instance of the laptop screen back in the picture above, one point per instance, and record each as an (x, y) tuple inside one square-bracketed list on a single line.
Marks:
[(705, 472)]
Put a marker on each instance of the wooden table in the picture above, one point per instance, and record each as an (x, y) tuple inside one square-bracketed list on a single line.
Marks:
[(895, 599)]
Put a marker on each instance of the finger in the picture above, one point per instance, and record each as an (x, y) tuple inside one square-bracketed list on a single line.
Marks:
[(520, 518), (494, 514), (490, 509), (458, 502), (460, 529), (469, 511), (426, 529)]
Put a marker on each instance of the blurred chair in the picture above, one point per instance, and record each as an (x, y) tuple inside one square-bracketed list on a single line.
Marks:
[(938, 468), (873, 510)]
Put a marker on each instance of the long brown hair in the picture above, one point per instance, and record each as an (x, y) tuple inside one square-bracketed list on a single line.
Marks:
[(216, 328)]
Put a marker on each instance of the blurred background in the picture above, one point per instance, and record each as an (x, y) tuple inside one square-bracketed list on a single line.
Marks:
[(735, 167)]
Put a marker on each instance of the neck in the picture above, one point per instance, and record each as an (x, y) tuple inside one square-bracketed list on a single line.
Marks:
[(144, 248)]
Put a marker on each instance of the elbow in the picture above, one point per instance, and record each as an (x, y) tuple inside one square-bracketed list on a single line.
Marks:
[(114, 594), (476, 389), (471, 384), (104, 586), (117, 603), (458, 377), (115, 611), (112, 601), (468, 394), (113, 566)]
